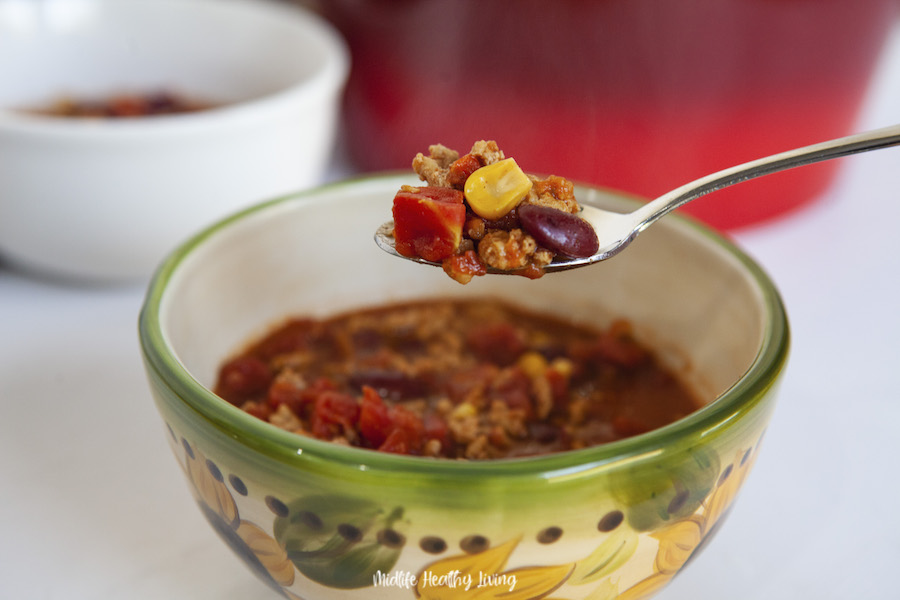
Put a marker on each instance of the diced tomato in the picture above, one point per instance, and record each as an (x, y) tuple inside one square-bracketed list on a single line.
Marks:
[(335, 413), (461, 169), (410, 423), (374, 422), (283, 391), (396, 443), (391, 428), (531, 271), (428, 222), (462, 267), (242, 378), (435, 428), (559, 387)]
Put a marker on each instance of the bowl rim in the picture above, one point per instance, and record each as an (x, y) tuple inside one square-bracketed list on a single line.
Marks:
[(284, 446), (327, 77)]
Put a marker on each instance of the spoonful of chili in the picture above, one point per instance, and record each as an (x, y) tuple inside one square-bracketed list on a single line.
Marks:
[(615, 231)]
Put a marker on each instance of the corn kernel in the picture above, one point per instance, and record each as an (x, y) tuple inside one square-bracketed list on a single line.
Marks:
[(464, 410), (563, 366), (497, 188), (533, 364)]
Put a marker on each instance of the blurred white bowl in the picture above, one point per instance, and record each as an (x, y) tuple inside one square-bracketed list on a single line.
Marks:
[(106, 199)]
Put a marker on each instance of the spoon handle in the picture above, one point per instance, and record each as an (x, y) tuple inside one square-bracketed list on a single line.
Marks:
[(845, 146)]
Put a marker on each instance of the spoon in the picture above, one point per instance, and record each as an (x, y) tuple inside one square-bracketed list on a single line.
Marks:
[(617, 230)]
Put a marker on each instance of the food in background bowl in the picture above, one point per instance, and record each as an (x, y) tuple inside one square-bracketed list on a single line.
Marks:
[(103, 200), (316, 519), (120, 106)]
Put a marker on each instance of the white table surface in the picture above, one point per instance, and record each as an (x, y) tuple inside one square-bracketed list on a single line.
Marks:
[(92, 504)]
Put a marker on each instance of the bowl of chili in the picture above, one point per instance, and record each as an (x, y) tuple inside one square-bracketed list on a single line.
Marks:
[(352, 516), (126, 125)]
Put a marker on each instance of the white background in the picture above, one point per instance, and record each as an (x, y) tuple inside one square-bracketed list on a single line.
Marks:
[(92, 504)]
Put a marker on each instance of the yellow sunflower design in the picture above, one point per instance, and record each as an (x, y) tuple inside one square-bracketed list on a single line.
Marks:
[(336, 541), (680, 540), (343, 542), (259, 550), (483, 575)]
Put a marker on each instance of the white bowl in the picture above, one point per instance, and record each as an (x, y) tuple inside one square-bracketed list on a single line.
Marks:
[(106, 199)]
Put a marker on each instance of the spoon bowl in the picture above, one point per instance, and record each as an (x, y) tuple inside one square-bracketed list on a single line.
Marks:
[(616, 231)]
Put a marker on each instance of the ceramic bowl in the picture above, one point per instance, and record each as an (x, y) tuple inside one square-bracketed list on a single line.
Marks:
[(104, 199), (319, 520)]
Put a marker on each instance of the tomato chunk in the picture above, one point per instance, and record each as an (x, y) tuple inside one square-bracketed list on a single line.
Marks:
[(374, 422), (436, 428), (335, 414), (461, 169), (407, 431), (462, 267), (428, 221), (397, 442)]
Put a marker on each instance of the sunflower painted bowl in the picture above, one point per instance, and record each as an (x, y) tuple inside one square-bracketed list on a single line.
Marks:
[(319, 520)]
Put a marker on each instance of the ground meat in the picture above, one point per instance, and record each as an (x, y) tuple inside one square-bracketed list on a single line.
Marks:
[(435, 168), (487, 152), (506, 250), (285, 418), (555, 192)]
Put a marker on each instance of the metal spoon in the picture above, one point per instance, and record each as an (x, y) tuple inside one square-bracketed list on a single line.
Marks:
[(616, 230)]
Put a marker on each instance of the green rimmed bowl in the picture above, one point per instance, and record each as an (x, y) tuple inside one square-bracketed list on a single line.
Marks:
[(318, 520)]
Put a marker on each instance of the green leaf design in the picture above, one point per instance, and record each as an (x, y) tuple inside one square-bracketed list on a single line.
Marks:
[(671, 489), (340, 541)]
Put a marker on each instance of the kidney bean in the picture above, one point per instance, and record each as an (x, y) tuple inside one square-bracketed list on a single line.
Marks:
[(558, 231), (390, 384)]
